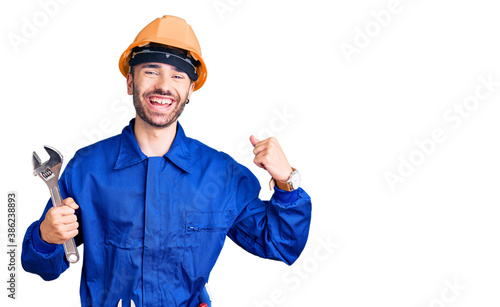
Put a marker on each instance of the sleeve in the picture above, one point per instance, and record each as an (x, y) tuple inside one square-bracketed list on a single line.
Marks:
[(275, 229), (39, 257)]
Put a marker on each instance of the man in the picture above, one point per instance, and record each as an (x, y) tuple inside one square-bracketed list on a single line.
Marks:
[(152, 206)]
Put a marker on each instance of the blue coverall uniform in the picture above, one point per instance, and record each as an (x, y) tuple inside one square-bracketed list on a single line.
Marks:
[(153, 227)]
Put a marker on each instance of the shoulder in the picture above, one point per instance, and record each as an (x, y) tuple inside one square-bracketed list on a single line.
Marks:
[(201, 151), (112, 143), (205, 156), (103, 150)]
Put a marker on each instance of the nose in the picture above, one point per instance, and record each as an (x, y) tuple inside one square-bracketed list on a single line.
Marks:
[(164, 84)]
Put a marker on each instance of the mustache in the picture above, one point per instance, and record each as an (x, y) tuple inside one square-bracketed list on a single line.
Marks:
[(162, 93)]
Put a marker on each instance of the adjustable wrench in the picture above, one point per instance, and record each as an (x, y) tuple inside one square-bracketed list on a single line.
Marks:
[(49, 172)]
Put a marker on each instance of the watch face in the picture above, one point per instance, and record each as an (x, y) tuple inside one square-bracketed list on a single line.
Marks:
[(295, 180)]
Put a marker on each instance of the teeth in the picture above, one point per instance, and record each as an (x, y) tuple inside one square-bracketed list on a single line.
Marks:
[(161, 101)]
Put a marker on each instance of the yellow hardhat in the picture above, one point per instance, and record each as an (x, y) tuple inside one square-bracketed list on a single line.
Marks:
[(171, 31)]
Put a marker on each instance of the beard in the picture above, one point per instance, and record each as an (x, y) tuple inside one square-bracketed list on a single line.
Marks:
[(157, 119)]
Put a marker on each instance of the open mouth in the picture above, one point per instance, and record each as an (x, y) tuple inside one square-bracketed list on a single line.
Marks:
[(160, 102)]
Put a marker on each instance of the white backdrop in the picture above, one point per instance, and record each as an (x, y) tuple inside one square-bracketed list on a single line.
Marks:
[(389, 109)]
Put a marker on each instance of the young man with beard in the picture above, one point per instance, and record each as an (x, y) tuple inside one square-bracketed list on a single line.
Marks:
[(152, 206)]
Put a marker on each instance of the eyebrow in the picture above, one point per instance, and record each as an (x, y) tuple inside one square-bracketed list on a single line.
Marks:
[(177, 69), (158, 67), (151, 66)]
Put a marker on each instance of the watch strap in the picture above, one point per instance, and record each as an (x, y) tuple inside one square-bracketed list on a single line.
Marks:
[(282, 185)]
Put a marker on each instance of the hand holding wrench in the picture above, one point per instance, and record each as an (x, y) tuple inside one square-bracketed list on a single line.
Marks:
[(49, 172)]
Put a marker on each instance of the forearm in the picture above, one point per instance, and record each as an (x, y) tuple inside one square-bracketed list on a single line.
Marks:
[(276, 229), (41, 258)]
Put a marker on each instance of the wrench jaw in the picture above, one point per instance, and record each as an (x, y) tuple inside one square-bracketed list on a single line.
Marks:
[(55, 156), (50, 169), (36, 163)]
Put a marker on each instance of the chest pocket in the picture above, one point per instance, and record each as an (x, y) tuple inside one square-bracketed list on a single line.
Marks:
[(205, 233), (124, 227)]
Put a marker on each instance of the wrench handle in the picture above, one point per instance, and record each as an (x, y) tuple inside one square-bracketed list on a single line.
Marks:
[(69, 246)]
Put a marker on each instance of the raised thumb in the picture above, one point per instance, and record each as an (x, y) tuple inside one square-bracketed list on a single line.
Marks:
[(254, 140)]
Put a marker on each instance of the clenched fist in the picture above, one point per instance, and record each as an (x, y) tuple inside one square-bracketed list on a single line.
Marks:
[(60, 223), (270, 156)]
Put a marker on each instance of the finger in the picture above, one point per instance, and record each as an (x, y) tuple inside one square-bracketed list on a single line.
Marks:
[(260, 148), (51, 212), (62, 229), (254, 140), (71, 227), (72, 234), (261, 161), (63, 211), (70, 203), (63, 236), (67, 219)]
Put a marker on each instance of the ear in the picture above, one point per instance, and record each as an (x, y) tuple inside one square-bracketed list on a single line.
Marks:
[(191, 88), (130, 84)]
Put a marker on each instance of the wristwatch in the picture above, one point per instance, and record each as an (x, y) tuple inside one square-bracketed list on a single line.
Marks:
[(291, 184)]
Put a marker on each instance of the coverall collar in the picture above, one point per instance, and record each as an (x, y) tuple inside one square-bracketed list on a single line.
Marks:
[(130, 153)]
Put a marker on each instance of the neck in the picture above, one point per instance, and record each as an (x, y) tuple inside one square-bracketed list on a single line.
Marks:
[(154, 142)]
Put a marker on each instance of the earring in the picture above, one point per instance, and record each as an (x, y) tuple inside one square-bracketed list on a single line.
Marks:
[(187, 101)]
